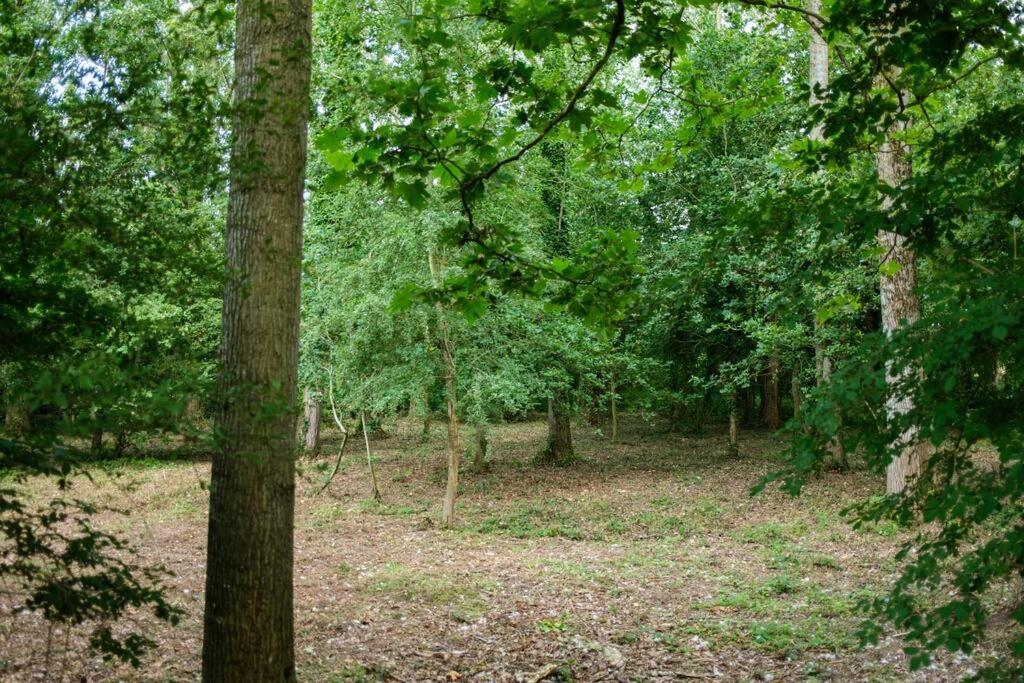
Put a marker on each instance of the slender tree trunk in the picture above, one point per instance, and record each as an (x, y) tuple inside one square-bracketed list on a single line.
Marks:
[(248, 621), (480, 452), (734, 424), (819, 65), (427, 413), (374, 489), (900, 305), (772, 415), (748, 403), (97, 441), (819, 78), (615, 412), (796, 391), (837, 453), (559, 450), (454, 441), (313, 401)]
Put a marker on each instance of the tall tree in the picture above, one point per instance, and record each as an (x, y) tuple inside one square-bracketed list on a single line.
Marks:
[(248, 622), (819, 83), (444, 344), (899, 302)]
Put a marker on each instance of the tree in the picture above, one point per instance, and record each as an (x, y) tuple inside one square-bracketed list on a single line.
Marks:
[(899, 296), (248, 620)]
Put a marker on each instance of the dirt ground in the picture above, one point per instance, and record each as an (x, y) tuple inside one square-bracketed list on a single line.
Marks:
[(645, 561)]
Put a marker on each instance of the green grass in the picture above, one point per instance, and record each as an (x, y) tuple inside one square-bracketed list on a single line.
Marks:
[(466, 597), (358, 673)]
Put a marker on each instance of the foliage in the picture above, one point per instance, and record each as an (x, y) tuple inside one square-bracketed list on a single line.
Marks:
[(111, 167)]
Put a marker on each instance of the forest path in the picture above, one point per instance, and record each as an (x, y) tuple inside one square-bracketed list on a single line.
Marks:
[(646, 561)]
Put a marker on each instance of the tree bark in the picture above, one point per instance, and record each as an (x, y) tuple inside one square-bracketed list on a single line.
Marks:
[(615, 412), (772, 415), (374, 488), (313, 411), (480, 452), (837, 453), (819, 65), (899, 304), (819, 79), (454, 441), (796, 391), (559, 450), (427, 413), (248, 621), (734, 424), (16, 419)]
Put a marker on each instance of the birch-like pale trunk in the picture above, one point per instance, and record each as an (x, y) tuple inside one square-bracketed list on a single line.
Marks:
[(448, 362), (899, 303)]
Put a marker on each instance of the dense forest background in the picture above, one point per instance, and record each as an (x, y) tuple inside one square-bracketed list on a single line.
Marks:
[(698, 224)]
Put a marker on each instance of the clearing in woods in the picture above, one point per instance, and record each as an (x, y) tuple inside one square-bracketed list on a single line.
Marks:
[(647, 560)]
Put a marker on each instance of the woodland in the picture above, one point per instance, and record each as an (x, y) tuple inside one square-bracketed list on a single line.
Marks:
[(511, 340)]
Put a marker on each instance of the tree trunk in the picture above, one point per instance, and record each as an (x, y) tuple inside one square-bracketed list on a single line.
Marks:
[(796, 391), (16, 419), (480, 452), (454, 441), (899, 304), (427, 413), (734, 425), (819, 78), (837, 453), (819, 65), (374, 489), (248, 621), (676, 419), (313, 402), (772, 416), (748, 403), (615, 412), (97, 441), (559, 449)]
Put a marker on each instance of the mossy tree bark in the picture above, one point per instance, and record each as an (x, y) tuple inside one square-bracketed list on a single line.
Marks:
[(559, 450)]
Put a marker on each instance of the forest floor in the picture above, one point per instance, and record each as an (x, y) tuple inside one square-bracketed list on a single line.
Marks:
[(647, 560)]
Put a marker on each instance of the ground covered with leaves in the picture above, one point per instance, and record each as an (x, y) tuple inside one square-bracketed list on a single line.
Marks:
[(646, 560)]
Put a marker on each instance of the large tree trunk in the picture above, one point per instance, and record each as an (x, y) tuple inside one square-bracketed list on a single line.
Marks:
[(899, 304), (559, 449), (454, 441), (312, 409), (248, 621), (772, 415)]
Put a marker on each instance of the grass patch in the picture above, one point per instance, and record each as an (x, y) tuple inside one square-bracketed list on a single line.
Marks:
[(374, 507), (467, 597), (533, 520), (779, 637), (358, 673)]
